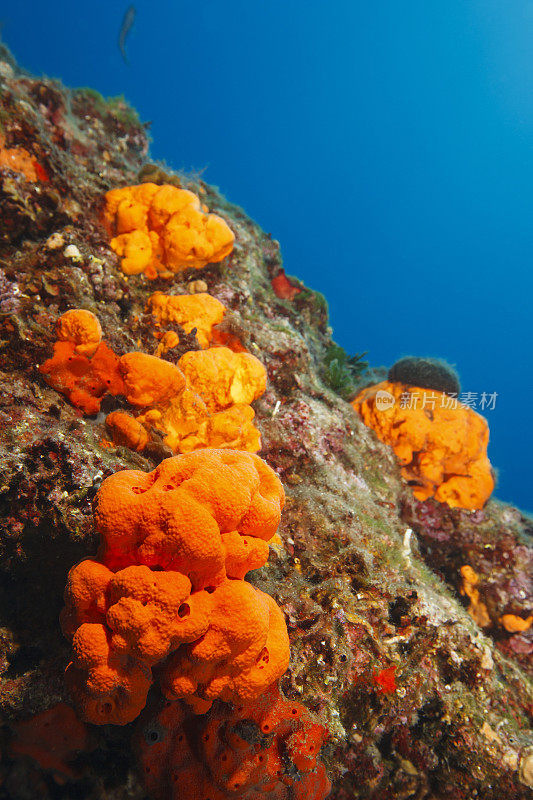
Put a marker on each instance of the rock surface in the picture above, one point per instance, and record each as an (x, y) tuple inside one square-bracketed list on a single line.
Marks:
[(423, 696)]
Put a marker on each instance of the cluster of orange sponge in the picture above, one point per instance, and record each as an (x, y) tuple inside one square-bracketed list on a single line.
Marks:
[(19, 160), (267, 748), (167, 588), (82, 367), (204, 401), (199, 312), (440, 444), (162, 230)]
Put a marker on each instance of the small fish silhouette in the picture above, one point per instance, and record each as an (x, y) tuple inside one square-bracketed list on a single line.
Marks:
[(127, 24)]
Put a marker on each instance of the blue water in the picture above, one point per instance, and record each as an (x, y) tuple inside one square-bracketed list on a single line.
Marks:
[(386, 145)]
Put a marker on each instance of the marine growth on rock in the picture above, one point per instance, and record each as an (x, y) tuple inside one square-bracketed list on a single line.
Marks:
[(440, 444), (402, 585), (168, 588), (203, 401), (163, 230)]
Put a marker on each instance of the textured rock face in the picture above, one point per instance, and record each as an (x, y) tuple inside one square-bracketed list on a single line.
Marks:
[(424, 696)]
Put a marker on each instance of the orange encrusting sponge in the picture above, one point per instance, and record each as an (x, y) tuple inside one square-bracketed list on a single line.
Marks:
[(19, 160), (85, 381), (442, 446), (168, 588), (198, 312), (204, 401), (267, 748), (82, 328), (162, 230), (175, 517)]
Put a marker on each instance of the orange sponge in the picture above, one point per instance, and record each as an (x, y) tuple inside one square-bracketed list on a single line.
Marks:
[(174, 516), (153, 613), (19, 160), (150, 381), (85, 595), (233, 428), (442, 449), (191, 311), (223, 378), (245, 649), (202, 402), (268, 748), (108, 687), (53, 738), (161, 230), (168, 587), (188, 407), (207, 408), (83, 380), (127, 431), (81, 327), (121, 624)]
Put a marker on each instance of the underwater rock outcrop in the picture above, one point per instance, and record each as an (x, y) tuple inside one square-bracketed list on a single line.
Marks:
[(417, 669)]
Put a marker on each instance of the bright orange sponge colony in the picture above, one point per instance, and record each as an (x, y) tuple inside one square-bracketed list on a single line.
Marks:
[(244, 650), (266, 748), (125, 430), (191, 311), (441, 446), (223, 378), (168, 588), (162, 230), (85, 381), (202, 402), (175, 517), (81, 327)]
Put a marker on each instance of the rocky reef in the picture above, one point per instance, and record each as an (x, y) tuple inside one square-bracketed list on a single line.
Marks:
[(408, 620)]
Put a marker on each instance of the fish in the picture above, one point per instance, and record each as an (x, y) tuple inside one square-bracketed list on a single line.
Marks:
[(125, 28)]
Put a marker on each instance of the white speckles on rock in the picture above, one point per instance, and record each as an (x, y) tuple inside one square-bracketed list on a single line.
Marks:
[(406, 548), (72, 252)]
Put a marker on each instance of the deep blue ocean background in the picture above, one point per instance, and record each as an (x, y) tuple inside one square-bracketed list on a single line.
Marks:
[(386, 145)]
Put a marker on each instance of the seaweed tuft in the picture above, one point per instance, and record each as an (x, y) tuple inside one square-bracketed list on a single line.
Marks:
[(341, 371)]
